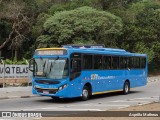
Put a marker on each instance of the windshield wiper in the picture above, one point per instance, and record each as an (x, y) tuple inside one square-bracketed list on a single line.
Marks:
[(44, 74), (52, 65)]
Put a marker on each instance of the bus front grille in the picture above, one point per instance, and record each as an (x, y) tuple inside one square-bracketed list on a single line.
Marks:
[(49, 91)]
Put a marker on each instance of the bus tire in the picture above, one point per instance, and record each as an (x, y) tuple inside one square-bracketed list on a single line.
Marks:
[(85, 93), (55, 98), (126, 88)]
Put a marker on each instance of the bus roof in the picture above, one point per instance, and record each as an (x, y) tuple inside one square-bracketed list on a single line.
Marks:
[(99, 49)]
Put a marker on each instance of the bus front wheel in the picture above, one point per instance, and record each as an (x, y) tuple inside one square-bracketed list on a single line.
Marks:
[(55, 98), (126, 88), (85, 93)]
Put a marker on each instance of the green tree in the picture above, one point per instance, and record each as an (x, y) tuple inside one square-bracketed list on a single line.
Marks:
[(73, 4), (141, 48), (83, 24), (19, 24), (141, 30), (20, 14), (37, 29)]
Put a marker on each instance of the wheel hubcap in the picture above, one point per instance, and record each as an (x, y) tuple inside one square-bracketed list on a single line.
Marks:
[(126, 88), (85, 93)]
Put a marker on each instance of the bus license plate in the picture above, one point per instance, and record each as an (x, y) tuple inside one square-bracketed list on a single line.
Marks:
[(45, 91)]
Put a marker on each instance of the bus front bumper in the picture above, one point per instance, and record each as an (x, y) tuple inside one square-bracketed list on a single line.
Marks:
[(50, 92)]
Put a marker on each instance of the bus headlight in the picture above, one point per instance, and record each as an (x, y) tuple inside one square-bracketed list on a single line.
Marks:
[(62, 87)]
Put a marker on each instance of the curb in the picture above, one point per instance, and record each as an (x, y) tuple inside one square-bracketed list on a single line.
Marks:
[(13, 97), (149, 81)]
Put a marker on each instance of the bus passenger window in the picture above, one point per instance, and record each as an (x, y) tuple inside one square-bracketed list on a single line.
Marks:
[(123, 62), (87, 62), (75, 66), (136, 62), (97, 62), (107, 62), (130, 62), (143, 62), (115, 62)]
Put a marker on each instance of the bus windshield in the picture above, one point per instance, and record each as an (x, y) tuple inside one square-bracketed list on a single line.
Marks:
[(56, 68)]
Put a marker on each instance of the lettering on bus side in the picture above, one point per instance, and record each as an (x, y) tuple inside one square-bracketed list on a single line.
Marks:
[(97, 77)]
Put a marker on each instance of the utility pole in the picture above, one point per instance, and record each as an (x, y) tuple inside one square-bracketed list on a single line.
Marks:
[(3, 62)]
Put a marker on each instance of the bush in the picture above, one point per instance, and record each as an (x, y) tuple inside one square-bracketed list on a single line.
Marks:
[(20, 62)]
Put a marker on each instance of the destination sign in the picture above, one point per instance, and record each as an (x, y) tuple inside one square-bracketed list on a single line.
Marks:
[(51, 52)]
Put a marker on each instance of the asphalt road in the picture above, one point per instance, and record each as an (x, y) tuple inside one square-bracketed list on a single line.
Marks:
[(109, 101)]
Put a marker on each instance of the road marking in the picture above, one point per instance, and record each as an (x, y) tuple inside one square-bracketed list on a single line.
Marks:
[(70, 109), (110, 105), (123, 107), (128, 101), (145, 98), (10, 97), (144, 103), (155, 97), (101, 105), (76, 107), (148, 98)]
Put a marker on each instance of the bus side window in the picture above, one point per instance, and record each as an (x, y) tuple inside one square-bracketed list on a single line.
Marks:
[(97, 61), (136, 62), (123, 62), (115, 62), (107, 62), (143, 62), (75, 68), (87, 62), (130, 63)]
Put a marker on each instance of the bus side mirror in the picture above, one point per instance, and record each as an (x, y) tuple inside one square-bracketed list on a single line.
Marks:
[(31, 62)]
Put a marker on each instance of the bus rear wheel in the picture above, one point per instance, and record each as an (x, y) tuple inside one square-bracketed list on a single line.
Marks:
[(126, 88), (85, 93)]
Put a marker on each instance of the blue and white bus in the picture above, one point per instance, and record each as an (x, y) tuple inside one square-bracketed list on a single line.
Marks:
[(82, 71)]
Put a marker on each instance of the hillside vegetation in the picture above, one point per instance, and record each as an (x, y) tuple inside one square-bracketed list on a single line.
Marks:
[(133, 25)]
